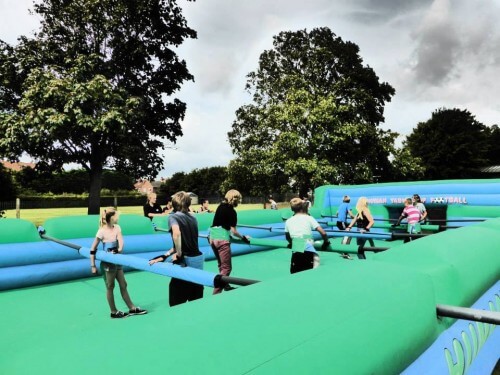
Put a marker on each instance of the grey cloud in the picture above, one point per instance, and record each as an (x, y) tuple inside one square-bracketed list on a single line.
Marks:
[(232, 34), (454, 39), (437, 52), (367, 17), (373, 12)]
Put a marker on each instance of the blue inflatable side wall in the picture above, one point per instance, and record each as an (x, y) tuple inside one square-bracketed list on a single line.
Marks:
[(42, 262), (462, 192), (469, 347)]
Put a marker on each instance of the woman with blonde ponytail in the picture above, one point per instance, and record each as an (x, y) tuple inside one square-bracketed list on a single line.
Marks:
[(364, 221), (110, 234)]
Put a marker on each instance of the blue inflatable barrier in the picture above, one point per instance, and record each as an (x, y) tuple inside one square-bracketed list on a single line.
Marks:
[(463, 192), (466, 347)]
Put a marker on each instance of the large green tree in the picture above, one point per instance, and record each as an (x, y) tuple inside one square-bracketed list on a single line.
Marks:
[(451, 144), (74, 181), (94, 87), (405, 166), (315, 114), (494, 146)]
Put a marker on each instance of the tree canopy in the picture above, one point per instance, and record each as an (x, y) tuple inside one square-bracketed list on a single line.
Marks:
[(451, 144), (493, 155), (314, 117), (94, 87), (205, 182), (74, 181)]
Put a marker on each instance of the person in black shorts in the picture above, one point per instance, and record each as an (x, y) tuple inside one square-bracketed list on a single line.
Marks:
[(343, 212), (185, 252)]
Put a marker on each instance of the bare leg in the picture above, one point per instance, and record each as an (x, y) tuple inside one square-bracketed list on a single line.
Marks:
[(120, 276), (316, 261), (110, 286)]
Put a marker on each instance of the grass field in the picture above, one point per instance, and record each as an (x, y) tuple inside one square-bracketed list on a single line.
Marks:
[(38, 216)]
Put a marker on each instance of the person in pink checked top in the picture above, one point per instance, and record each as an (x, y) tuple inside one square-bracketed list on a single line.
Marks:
[(412, 215)]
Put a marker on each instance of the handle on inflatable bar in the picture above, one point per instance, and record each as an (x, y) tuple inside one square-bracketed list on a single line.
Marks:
[(41, 232), (255, 227), (194, 275), (467, 313), (161, 230), (332, 216), (221, 281), (373, 249), (382, 235)]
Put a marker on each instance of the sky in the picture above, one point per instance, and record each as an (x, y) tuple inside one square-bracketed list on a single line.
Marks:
[(435, 53)]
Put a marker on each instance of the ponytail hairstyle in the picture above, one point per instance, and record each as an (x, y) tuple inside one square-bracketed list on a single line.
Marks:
[(106, 216), (361, 205), (181, 202)]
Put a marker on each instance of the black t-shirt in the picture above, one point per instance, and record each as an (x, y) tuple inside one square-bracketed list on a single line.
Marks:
[(225, 216), (188, 225), (155, 209)]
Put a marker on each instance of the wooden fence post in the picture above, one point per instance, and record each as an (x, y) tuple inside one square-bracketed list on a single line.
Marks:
[(18, 208)]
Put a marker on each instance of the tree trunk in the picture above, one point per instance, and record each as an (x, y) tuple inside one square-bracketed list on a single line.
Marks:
[(95, 190)]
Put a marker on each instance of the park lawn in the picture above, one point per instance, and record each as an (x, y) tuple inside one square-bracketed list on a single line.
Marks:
[(38, 215)]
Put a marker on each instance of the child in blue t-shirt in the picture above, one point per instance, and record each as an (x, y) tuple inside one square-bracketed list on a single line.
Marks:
[(343, 211)]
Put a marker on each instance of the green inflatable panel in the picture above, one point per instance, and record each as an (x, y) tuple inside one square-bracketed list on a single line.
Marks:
[(307, 323), (204, 220), (161, 222), (86, 226), (269, 242), (135, 224), (63, 228), (462, 270), (17, 230), (257, 217), (472, 211)]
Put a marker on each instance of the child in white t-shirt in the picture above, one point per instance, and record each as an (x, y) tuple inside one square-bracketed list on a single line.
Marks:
[(300, 226)]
